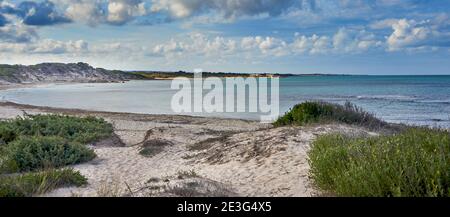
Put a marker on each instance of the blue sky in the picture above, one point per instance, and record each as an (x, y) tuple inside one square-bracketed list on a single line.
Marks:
[(284, 36)]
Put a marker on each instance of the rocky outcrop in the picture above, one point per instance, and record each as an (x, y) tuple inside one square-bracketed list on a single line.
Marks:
[(60, 72)]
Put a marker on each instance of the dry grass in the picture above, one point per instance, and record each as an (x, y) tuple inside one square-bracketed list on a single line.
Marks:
[(153, 147), (110, 188)]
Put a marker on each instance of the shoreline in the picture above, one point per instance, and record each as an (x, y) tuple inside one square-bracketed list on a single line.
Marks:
[(75, 111), (431, 122)]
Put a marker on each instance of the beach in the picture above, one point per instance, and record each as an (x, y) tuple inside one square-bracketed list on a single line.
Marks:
[(198, 156)]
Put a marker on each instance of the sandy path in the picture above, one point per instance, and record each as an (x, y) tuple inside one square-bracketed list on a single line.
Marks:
[(247, 158)]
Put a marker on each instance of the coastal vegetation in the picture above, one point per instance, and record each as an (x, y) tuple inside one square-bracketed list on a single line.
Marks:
[(37, 145), (169, 75), (406, 162), (322, 112), (153, 147), (7, 72), (30, 184), (414, 163)]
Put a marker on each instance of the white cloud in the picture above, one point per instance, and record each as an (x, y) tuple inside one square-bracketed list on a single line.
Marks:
[(354, 41), (17, 33), (383, 24), (229, 9), (414, 35), (122, 11), (406, 33), (46, 46), (171, 47), (93, 12), (87, 11), (58, 47), (344, 41), (7, 48), (311, 45)]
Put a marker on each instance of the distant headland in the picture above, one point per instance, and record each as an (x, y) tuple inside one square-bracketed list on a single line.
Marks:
[(83, 72)]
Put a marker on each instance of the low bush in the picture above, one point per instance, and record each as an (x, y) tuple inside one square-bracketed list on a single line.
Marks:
[(414, 163), (323, 112), (153, 147), (31, 184), (46, 142), (83, 130), (32, 153)]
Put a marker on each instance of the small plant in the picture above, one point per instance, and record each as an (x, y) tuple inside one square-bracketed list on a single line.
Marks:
[(323, 112), (414, 163), (187, 174), (153, 147), (31, 184), (110, 189)]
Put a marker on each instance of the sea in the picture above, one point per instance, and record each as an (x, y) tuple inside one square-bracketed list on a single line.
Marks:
[(413, 100)]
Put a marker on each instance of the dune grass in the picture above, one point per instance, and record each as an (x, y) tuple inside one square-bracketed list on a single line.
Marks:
[(322, 112), (30, 184), (414, 163)]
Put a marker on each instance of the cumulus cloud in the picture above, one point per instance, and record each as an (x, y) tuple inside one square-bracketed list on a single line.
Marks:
[(94, 12), (411, 34), (36, 14), (264, 45), (406, 34), (122, 11), (196, 44), (383, 24), (343, 41), (313, 44), (229, 9), (86, 11), (353, 41), (46, 46), (49, 46), (17, 33), (168, 48)]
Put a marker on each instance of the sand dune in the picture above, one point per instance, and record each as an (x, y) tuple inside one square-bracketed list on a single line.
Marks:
[(195, 156)]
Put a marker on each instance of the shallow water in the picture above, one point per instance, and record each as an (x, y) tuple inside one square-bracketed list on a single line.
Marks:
[(419, 100)]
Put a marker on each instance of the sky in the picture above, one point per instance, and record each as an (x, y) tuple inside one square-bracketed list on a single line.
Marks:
[(379, 37)]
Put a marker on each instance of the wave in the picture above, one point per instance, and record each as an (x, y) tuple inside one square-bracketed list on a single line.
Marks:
[(438, 101), (402, 98), (387, 97), (390, 98)]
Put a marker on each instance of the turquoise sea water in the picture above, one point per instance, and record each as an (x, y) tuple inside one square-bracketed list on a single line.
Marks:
[(419, 100)]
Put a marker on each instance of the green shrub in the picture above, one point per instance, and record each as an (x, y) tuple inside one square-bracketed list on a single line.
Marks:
[(30, 184), (39, 142), (76, 129), (7, 133), (31, 153), (323, 112), (414, 163)]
